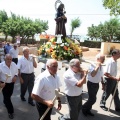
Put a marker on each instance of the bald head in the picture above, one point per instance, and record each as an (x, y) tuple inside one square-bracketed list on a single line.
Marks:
[(50, 62), (8, 59), (52, 66), (8, 56), (100, 57)]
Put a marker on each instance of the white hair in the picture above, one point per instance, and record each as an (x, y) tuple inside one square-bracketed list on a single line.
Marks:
[(50, 62), (98, 56), (25, 48), (73, 62)]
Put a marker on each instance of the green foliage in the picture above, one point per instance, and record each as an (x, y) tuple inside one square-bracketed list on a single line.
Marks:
[(108, 31), (113, 5), (75, 23), (19, 25)]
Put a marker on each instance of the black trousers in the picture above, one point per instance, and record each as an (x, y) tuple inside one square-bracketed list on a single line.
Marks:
[(28, 84), (74, 104), (41, 109), (15, 60), (109, 89), (92, 92), (7, 93)]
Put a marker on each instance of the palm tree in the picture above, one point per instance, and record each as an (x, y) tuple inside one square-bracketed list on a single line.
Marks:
[(75, 23)]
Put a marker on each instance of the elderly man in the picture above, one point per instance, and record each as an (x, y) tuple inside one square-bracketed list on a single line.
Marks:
[(44, 89), (14, 53), (8, 68), (95, 76), (74, 79), (26, 65), (110, 81)]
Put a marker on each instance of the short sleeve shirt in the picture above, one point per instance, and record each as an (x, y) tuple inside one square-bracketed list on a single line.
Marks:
[(25, 66), (111, 67), (70, 80), (97, 77), (4, 69), (45, 85)]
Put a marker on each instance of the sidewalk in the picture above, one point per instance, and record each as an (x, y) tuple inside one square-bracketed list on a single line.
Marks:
[(23, 111)]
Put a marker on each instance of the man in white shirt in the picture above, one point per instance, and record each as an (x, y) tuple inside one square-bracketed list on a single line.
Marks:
[(74, 78), (44, 89), (110, 81), (26, 65), (10, 68), (14, 53), (95, 75), (2, 52)]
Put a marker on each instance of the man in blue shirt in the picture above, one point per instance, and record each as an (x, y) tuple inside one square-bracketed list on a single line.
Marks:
[(7, 47)]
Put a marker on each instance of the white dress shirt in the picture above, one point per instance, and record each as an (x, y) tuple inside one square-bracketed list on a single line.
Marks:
[(14, 52), (25, 65), (70, 79), (97, 77), (45, 85), (4, 69), (111, 67)]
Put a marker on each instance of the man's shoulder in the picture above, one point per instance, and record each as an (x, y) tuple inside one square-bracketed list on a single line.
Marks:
[(67, 73), (21, 58), (11, 49)]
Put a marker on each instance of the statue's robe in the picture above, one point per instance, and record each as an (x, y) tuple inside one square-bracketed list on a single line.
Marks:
[(60, 24)]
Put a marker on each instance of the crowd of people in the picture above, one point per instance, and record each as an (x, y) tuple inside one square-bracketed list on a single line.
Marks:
[(42, 88)]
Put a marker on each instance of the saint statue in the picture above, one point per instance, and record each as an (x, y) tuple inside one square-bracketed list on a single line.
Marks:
[(60, 21)]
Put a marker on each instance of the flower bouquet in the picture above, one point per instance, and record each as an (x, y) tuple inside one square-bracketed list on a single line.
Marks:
[(63, 51)]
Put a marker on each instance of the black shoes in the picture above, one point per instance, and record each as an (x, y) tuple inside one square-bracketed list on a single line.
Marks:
[(23, 99), (104, 108), (32, 103), (89, 113), (11, 116), (85, 113)]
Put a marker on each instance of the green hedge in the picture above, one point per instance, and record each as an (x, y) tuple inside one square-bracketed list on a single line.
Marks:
[(91, 44)]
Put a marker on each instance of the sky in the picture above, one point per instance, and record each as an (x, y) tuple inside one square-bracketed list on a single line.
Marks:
[(88, 11)]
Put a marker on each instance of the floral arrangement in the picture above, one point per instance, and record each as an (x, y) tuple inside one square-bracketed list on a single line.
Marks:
[(64, 51)]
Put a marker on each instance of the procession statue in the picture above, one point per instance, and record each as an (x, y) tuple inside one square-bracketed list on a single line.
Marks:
[(60, 47), (61, 20)]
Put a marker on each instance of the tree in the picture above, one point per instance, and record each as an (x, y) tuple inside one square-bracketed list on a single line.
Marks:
[(113, 5), (93, 32), (25, 27), (75, 23), (3, 18), (107, 31)]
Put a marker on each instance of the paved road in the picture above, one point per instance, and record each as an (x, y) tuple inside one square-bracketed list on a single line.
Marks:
[(23, 111)]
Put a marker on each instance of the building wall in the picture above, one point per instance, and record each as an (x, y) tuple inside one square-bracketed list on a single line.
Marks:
[(107, 46)]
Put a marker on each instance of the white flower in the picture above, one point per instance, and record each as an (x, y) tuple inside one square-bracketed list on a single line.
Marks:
[(62, 45)]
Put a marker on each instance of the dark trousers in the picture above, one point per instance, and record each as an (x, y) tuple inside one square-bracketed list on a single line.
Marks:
[(7, 93), (28, 84), (92, 92), (41, 110), (74, 104), (15, 60), (109, 89)]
